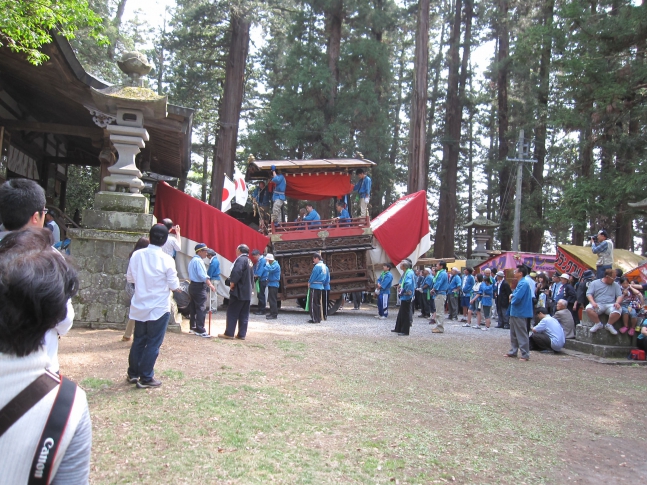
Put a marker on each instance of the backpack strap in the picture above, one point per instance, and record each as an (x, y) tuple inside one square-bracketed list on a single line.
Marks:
[(26, 399), (50, 440)]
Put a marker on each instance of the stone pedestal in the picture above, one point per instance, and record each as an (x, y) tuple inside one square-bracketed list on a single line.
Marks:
[(101, 251), (600, 343)]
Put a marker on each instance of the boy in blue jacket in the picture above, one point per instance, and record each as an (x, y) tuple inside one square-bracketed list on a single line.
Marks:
[(273, 279), (384, 283)]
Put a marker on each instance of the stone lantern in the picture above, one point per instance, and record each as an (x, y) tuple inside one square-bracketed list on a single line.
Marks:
[(481, 236), (120, 214)]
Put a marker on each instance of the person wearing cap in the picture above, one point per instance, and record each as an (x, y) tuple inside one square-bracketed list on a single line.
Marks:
[(406, 288), (363, 189), (383, 289), (605, 296), (198, 291), (273, 281), (567, 292), (603, 247), (278, 195), (316, 288), (453, 294), (213, 272), (565, 318), (548, 335), (154, 275), (503, 292)]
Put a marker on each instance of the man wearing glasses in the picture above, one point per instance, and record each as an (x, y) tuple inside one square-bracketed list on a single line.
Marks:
[(22, 205)]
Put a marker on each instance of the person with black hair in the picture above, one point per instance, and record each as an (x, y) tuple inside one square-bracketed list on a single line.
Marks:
[(141, 243), (240, 283), (363, 189), (154, 275), (22, 205), (173, 243), (602, 246), (548, 335), (36, 285), (406, 289), (278, 195), (520, 311), (441, 285), (383, 291), (316, 286)]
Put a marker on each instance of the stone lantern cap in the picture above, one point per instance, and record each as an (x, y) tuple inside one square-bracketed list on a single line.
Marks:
[(480, 221)]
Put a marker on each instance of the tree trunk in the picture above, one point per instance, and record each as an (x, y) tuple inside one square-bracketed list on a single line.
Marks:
[(505, 198), (121, 6), (333, 28), (205, 164), (232, 100), (417, 165), (447, 207)]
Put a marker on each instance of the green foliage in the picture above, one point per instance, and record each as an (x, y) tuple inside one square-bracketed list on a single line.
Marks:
[(82, 184), (25, 26)]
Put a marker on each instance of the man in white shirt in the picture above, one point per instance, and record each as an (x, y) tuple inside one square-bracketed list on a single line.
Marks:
[(174, 242), (50, 224), (154, 275), (548, 335)]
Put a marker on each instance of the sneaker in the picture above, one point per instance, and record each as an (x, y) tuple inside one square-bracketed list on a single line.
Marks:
[(476, 327), (596, 327), (382, 318), (485, 328), (203, 335), (377, 316), (611, 330), (191, 331), (130, 379), (146, 384), (225, 336), (467, 325)]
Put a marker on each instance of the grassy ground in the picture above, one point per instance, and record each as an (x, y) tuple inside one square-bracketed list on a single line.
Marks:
[(285, 407)]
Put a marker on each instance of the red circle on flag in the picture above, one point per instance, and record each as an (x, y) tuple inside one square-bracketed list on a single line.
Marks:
[(242, 184), (225, 194), (236, 184)]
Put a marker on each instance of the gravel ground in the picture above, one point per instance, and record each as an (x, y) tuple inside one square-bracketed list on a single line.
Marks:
[(346, 321)]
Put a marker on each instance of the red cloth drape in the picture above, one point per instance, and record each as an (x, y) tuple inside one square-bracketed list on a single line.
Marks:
[(318, 186)]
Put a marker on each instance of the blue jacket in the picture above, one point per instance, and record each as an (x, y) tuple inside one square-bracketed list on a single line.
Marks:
[(261, 196), (197, 271), (363, 187), (441, 283), (429, 283), (385, 281), (407, 285), (273, 274), (344, 216), (318, 276), (279, 190), (469, 285), (521, 303), (214, 269), (327, 280), (312, 216), (487, 293), (260, 269), (455, 283)]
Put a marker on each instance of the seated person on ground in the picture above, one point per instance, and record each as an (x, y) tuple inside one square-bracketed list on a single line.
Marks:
[(605, 296), (547, 334), (565, 318), (312, 218)]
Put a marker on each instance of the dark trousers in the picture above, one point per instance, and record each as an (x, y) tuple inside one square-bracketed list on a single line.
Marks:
[(237, 313), (261, 295), (540, 341), (315, 305), (403, 322), (325, 295), (147, 339), (503, 316), (357, 299), (641, 343), (425, 304), (272, 297), (576, 316), (198, 306), (599, 270), (452, 298)]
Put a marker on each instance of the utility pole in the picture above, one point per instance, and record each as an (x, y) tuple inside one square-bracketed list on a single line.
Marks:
[(523, 150)]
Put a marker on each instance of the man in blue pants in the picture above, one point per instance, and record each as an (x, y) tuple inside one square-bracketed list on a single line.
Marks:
[(384, 283)]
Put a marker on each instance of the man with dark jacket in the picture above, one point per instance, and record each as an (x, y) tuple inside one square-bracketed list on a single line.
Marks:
[(502, 300), (580, 291), (240, 295)]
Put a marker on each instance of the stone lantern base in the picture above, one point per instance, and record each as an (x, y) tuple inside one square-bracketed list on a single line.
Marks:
[(101, 251)]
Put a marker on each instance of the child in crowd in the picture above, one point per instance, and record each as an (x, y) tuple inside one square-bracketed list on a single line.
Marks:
[(475, 303), (632, 299)]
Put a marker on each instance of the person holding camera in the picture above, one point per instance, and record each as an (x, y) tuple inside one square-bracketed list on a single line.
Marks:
[(603, 247)]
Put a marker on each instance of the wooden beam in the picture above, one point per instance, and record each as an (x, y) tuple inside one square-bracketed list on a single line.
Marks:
[(53, 128), (84, 162)]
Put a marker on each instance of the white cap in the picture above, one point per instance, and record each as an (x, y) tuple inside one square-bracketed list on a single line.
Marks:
[(565, 275), (269, 257)]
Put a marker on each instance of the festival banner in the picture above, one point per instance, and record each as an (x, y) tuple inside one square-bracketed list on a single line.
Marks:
[(539, 263)]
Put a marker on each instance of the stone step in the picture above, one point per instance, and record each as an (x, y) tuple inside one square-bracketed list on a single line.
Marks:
[(603, 337), (605, 351)]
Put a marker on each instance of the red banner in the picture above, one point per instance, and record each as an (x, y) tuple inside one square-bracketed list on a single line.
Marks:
[(566, 263)]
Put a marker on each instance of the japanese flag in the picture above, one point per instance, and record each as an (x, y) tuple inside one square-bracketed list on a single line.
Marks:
[(228, 193), (241, 188)]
